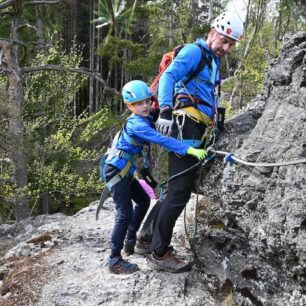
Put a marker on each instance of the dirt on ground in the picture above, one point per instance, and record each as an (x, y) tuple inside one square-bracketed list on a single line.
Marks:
[(23, 276)]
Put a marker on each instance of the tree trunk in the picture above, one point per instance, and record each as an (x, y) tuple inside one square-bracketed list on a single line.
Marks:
[(227, 65), (21, 201), (73, 34), (45, 203), (39, 33), (116, 82), (210, 11), (171, 29), (97, 89), (91, 57)]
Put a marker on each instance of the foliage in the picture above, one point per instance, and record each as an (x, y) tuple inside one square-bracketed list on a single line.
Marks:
[(66, 166), (115, 48), (63, 147), (63, 162), (250, 77), (253, 72), (6, 184), (228, 109), (142, 57), (289, 16), (188, 23), (257, 62), (48, 93), (58, 173), (117, 15)]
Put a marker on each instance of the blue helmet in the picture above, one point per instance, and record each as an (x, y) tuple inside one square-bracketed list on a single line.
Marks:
[(135, 91)]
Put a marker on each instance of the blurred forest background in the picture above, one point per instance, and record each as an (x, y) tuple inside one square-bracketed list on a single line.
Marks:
[(64, 62)]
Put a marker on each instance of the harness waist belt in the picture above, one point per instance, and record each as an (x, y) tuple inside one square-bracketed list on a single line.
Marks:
[(119, 176), (194, 114), (183, 100)]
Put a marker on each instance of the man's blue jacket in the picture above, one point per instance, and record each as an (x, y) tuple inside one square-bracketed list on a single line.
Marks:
[(202, 87)]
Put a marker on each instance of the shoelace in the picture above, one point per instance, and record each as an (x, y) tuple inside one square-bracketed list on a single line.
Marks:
[(122, 265), (170, 254)]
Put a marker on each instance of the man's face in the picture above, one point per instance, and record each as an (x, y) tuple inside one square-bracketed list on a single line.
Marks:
[(221, 44)]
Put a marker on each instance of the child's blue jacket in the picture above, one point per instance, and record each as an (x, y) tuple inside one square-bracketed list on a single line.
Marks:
[(142, 130)]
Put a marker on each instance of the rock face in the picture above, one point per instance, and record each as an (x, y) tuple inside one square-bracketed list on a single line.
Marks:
[(252, 242)]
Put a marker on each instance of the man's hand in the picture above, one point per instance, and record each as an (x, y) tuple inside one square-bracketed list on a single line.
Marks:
[(198, 153), (165, 122)]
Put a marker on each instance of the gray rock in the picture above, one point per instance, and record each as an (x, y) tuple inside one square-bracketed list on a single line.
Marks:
[(258, 248)]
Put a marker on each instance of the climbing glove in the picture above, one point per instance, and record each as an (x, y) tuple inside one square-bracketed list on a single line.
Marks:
[(198, 153), (165, 121)]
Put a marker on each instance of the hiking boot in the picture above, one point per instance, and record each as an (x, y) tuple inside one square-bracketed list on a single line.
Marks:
[(168, 263), (142, 247), (129, 245), (118, 265)]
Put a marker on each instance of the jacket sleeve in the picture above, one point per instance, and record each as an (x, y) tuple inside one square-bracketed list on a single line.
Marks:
[(149, 134), (183, 64)]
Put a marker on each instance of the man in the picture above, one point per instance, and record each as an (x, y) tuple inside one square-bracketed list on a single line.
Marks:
[(192, 112)]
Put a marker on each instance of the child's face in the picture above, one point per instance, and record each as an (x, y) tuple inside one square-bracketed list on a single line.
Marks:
[(141, 108)]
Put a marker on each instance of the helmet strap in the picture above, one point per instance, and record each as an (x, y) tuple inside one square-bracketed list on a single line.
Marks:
[(215, 35)]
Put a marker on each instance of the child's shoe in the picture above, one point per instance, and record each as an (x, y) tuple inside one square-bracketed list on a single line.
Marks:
[(118, 265), (129, 246)]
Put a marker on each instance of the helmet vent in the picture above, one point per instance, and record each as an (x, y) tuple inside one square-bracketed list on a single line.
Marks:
[(131, 94)]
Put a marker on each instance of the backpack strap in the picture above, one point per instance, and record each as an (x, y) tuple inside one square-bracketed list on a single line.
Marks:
[(201, 64), (129, 139)]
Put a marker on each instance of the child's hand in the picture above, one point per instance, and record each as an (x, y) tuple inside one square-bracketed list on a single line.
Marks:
[(198, 153)]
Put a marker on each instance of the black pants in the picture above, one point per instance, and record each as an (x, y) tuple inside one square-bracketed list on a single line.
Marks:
[(159, 224)]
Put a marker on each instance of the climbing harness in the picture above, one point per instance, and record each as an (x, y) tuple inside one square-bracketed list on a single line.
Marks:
[(112, 182), (112, 152)]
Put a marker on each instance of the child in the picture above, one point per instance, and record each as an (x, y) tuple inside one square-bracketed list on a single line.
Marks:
[(138, 131)]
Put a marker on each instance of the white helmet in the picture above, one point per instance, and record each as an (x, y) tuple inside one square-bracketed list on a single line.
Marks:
[(229, 24)]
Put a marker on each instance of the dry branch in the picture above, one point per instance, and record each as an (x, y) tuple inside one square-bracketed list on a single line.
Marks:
[(82, 70), (7, 4)]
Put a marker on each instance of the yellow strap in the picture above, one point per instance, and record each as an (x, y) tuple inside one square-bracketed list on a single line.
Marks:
[(194, 114), (126, 169)]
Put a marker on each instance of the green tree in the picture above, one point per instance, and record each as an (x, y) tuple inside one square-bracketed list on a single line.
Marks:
[(33, 103), (116, 15), (289, 16)]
